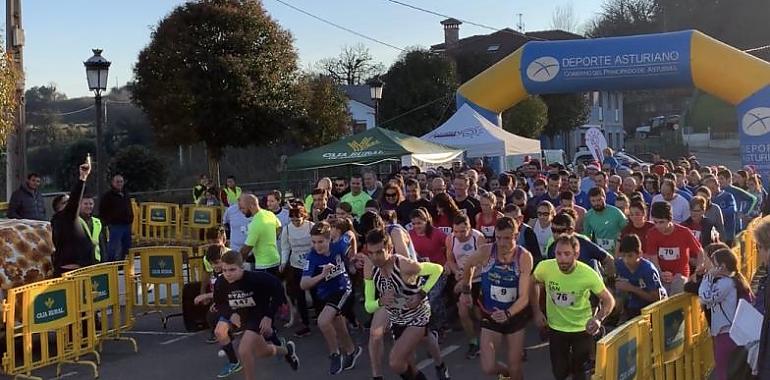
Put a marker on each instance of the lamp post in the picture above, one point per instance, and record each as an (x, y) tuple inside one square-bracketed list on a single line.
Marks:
[(375, 89), (97, 68)]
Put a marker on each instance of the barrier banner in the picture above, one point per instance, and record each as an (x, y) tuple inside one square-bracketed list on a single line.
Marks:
[(52, 307)]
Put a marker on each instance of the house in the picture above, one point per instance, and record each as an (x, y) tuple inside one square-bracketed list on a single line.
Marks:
[(606, 107), (360, 106)]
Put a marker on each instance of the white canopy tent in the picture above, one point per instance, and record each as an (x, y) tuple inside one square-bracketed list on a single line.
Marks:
[(470, 131)]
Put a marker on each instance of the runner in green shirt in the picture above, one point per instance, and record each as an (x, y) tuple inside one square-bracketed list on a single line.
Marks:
[(260, 247), (356, 197), (603, 222), (571, 324)]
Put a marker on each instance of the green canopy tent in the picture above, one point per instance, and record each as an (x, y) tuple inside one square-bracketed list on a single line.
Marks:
[(370, 147)]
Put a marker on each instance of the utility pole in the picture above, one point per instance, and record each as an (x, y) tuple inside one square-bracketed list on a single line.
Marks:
[(520, 25), (16, 160)]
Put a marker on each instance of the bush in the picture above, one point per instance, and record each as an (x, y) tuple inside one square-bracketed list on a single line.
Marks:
[(142, 169)]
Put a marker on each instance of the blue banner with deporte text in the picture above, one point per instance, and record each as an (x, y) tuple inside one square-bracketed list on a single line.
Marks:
[(754, 131), (620, 63)]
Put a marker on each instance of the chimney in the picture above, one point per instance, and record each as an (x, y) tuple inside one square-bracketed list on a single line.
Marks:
[(451, 32)]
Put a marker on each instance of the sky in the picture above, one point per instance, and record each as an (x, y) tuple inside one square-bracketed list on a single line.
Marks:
[(59, 35)]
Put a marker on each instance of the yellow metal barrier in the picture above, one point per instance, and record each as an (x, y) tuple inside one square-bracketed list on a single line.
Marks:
[(160, 221), (624, 354), (681, 346), (749, 251), (44, 315), (3, 208), (197, 219), (161, 278), (116, 317), (196, 269), (136, 224)]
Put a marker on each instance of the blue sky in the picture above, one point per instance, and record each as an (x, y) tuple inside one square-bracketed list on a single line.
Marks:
[(60, 34)]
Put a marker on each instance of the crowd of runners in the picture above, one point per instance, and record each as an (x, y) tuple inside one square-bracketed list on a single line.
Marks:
[(414, 254)]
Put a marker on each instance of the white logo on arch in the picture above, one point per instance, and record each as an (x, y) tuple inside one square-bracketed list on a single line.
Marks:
[(543, 69), (756, 122)]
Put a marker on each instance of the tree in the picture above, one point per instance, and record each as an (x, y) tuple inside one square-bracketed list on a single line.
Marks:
[(220, 72), (142, 169), (563, 18), (325, 116), (626, 17), (73, 158), (527, 118), (469, 64), (8, 101), (41, 112), (565, 112), (419, 93), (352, 67)]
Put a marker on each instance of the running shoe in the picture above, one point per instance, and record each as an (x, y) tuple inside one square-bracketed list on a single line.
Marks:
[(303, 332), (335, 364), (229, 369), (349, 361), (473, 351), (503, 377), (291, 355), (211, 339), (442, 372)]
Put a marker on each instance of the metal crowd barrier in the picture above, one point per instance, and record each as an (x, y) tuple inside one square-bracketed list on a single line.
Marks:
[(625, 353), (48, 322), (161, 279), (160, 222), (670, 340), (115, 317)]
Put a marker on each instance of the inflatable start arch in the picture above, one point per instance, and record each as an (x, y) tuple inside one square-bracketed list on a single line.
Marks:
[(677, 59)]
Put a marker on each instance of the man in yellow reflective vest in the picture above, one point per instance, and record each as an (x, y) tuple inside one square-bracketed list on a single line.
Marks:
[(92, 226), (231, 192)]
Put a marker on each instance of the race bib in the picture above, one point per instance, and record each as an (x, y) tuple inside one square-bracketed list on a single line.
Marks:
[(338, 270), (239, 303), (668, 253), (502, 294), (488, 231), (606, 244), (563, 299), (446, 230)]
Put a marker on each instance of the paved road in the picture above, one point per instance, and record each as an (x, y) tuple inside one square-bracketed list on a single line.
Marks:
[(176, 354), (711, 156)]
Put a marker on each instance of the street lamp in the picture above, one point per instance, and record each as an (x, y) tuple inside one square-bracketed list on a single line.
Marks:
[(97, 68), (375, 89)]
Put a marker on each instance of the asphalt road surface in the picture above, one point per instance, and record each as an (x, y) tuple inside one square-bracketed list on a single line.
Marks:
[(176, 354), (712, 156)]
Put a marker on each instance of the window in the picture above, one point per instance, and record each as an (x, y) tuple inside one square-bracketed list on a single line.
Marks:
[(493, 48), (359, 126)]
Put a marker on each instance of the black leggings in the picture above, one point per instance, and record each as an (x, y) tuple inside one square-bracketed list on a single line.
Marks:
[(296, 294), (570, 354)]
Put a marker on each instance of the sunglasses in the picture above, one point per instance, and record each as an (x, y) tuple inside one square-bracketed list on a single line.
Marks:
[(559, 230), (390, 195)]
